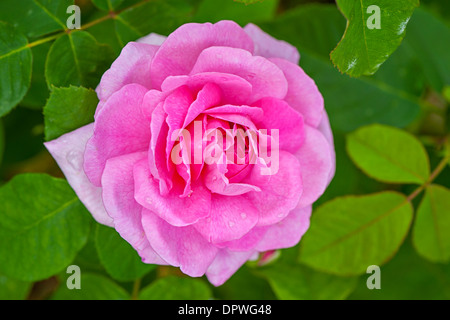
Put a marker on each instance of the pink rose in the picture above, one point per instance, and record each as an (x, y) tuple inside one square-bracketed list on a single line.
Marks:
[(203, 216)]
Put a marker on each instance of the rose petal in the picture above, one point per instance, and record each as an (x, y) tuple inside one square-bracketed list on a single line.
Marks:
[(118, 197), (235, 90), (279, 115), (171, 207), (286, 233), (179, 246), (153, 38), (225, 265), (68, 151), (119, 129), (269, 47), (303, 94), (179, 52), (325, 128), (231, 218), (247, 242), (281, 194), (254, 113), (132, 66), (265, 77), (316, 163)]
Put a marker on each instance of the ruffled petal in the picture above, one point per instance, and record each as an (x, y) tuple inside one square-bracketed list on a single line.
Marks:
[(280, 192), (119, 129), (132, 66), (279, 115), (153, 39), (118, 198), (325, 128), (269, 47), (180, 246), (316, 162), (286, 233), (180, 50), (303, 94), (172, 208), (235, 90), (231, 218), (266, 78), (68, 151), (225, 265)]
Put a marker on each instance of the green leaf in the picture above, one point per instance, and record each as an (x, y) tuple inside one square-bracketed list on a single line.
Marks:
[(11, 289), (107, 5), (2, 140), (176, 288), (430, 233), (256, 287), (349, 234), (15, 67), (291, 281), (389, 154), (238, 12), (42, 226), (77, 59), (407, 277), (68, 109), (118, 257), (93, 287), (429, 37), (364, 46), (38, 93), (350, 102), (35, 18)]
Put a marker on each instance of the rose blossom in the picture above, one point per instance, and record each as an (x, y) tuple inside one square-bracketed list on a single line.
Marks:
[(206, 218)]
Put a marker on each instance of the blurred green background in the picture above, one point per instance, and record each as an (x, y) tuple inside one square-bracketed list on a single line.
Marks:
[(409, 91)]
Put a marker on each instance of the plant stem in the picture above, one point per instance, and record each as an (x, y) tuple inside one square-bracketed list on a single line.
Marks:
[(136, 288), (440, 167)]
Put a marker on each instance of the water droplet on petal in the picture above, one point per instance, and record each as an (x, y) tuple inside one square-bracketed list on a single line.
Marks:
[(281, 215), (231, 224), (243, 215)]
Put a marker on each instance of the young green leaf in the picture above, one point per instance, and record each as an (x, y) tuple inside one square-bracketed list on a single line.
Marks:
[(42, 226), (93, 287), (120, 260), (15, 67), (430, 233), (176, 288), (389, 154), (349, 234), (77, 59), (374, 30), (68, 109)]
